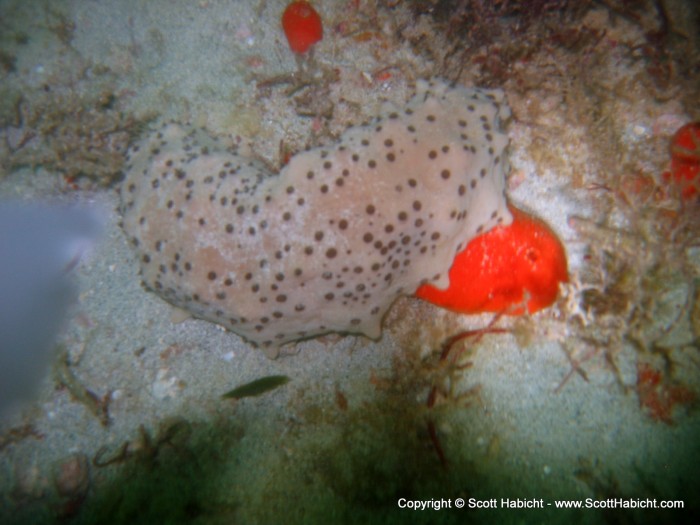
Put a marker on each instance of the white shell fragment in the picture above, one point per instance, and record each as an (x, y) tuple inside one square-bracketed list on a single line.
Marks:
[(328, 243)]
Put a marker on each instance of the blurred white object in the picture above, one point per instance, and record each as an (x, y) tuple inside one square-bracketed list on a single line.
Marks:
[(40, 243)]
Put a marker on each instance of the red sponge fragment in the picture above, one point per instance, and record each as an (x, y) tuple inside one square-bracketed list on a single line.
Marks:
[(505, 269), (685, 160), (302, 26)]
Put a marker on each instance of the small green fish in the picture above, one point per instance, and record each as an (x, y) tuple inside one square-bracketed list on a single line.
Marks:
[(257, 387)]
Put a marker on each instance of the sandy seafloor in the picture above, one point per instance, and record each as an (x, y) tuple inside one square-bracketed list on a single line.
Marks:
[(348, 436)]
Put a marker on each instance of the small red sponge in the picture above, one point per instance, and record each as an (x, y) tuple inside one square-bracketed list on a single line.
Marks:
[(302, 26), (685, 160), (504, 269)]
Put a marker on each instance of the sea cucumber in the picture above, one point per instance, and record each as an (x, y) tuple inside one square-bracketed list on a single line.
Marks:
[(329, 242)]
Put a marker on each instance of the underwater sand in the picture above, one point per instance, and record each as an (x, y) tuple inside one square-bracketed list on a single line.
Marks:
[(130, 426)]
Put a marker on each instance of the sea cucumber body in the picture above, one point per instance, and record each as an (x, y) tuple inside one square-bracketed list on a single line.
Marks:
[(328, 243)]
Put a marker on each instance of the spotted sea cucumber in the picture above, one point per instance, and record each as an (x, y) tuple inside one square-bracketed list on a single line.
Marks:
[(329, 242)]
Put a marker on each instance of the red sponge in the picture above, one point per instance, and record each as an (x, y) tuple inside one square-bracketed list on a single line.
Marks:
[(505, 269), (302, 26), (685, 160)]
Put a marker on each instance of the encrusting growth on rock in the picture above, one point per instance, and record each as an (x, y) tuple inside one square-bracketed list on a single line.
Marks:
[(328, 243)]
